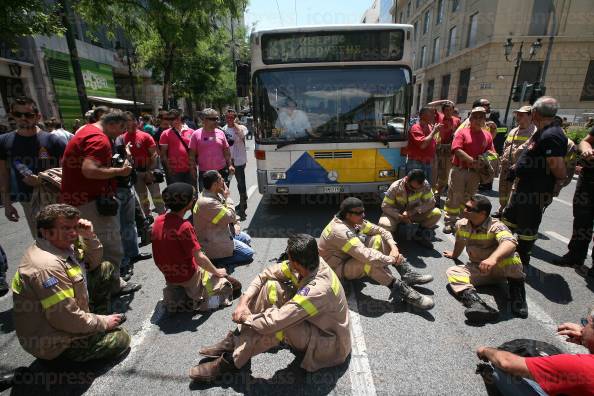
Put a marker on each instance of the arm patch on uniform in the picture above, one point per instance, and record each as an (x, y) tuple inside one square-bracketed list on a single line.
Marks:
[(350, 234), (50, 282), (304, 291)]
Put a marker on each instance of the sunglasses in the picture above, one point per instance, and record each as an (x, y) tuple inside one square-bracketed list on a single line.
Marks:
[(470, 209), (18, 114), (359, 213), (212, 118)]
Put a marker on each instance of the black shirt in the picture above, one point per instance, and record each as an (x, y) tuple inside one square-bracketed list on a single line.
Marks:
[(37, 153), (588, 166), (531, 168)]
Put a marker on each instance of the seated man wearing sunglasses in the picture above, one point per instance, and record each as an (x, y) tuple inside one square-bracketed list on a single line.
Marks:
[(23, 154), (356, 248), (562, 374), (491, 248)]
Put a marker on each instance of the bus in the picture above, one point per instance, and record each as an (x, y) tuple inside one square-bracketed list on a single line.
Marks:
[(331, 106)]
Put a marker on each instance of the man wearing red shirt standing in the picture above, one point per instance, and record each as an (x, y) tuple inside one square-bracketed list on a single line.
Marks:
[(144, 151), (175, 147), (468, 145), (87, 177), (449, 124), (421, 143), (564, 374)]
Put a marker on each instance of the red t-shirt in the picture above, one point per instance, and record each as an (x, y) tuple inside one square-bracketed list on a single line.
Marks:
[(177, 155), (564, 374), (141, 143), (472, 143), (446, 132), (89, 142), (416, 135), (174, 243)]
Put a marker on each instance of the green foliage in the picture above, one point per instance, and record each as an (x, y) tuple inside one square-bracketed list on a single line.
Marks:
[(577, 134), (20, 18)]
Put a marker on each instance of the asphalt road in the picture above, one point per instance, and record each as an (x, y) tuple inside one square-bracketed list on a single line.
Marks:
[(396, 351)]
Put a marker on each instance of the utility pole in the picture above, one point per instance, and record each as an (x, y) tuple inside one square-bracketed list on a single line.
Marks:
[(78, 77), (554, 33), (513, 85)]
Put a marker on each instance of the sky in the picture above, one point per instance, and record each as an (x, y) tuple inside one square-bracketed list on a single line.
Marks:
[(266, 14)]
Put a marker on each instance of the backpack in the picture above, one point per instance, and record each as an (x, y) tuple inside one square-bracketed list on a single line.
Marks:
[(48, 192)]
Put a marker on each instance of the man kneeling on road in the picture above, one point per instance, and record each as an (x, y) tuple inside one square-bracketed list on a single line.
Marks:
[(190, 277), (51, 302), (410, 200), (299, 302), (491, 249), (563, 374), (356, 248), (217, 226)]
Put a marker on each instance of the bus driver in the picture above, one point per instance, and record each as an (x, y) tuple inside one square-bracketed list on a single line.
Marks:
[(293, 123)]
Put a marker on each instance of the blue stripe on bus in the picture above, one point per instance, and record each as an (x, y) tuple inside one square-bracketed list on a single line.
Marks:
[(306, 170)]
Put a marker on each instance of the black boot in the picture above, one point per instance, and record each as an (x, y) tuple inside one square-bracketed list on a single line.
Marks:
[(412, 277), (400, 291), (476, 309), (517, 295), (3, 285), (423, 237)]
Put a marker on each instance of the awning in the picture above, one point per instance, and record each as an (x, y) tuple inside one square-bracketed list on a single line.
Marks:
[(115, 101)]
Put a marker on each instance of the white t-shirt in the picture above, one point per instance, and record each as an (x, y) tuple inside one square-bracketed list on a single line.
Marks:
[(238, 152), (294, 125)]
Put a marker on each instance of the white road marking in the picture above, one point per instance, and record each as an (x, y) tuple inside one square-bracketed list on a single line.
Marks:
[(536, 312), (360, 372), (562, 239), (103, 384), (562, 201), (251, 191)]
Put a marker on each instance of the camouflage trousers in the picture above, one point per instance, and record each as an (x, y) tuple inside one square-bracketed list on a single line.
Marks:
[(107, 345), (99, 287)]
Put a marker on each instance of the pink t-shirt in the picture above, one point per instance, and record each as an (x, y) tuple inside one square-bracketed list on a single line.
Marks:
[(177, 155), (209, 147)]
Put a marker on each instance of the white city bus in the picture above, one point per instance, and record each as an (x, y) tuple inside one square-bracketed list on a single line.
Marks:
[(331, 106)]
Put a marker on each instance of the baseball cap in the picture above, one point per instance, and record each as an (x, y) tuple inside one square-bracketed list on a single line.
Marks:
[(524, 109), (478, 109)]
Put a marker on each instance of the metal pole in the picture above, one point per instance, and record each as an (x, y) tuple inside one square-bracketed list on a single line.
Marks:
[(511, 91), (132, 81), (554, 32)]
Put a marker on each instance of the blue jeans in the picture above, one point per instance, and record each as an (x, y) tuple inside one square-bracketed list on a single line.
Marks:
[(242, 252), (511, 386), (127, 225), (414, 164)]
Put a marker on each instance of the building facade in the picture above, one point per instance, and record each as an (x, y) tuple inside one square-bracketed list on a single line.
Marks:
[(379, 12), (459, 50)]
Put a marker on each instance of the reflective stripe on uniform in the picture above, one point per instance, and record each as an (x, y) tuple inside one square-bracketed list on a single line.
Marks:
[(402, 200), (436, 212), (492, 156), (509, 223), (206, 282), (366, 228), (514, 260), (287, 272), (527, 237), (196, 208), (350, 243), (377, 244), (305, 304), (389, 201), (501, 130), (458, 279), (335, 284), (219, 215), (452, 210), (415, 196), (478, 236), (272, 293), (327, 230), (517, 139), (428, 195), (57, 297), (504, 234), (280, 335), (74, 271), (17, 283)]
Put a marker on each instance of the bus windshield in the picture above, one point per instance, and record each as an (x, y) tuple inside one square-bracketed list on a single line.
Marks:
[(331, 104)]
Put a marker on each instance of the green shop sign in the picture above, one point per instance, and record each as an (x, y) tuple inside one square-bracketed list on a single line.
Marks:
[(98, 78)]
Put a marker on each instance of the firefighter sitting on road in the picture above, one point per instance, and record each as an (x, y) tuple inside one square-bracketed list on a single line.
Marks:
[(491, 249), (356, 248), (50, 297), (299, 302), (410, 200)]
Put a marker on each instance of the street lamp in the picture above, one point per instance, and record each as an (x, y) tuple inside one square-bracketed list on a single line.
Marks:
[(126, 51), (507, 51)]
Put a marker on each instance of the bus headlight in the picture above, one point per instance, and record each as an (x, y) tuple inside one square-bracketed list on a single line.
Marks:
[(278, 175), (387, 173)]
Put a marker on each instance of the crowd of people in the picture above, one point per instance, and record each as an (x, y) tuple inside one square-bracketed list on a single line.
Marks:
[(87, 201)]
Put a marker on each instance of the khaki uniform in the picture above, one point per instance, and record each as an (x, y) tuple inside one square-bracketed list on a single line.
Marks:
[(204, 291), (444, 165), (213, 219), (419, 205), (463, 184), (51, 309), (90, 253), (354, 253), (570, 161), (311, 316), (141, 189), (512, 148), (480, 243)]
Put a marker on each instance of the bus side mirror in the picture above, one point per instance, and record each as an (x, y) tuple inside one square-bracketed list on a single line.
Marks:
[(242, 79)]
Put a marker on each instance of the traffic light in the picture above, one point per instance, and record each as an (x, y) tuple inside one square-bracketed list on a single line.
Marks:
[(537, 91), (516, 93)]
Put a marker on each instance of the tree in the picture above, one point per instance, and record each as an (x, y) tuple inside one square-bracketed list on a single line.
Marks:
[(161, 30), (20, 18)]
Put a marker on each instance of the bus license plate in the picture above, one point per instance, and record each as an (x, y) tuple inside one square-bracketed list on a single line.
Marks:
[(333, 189)]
